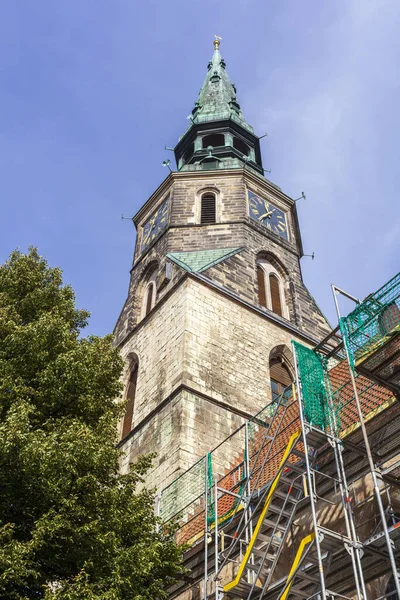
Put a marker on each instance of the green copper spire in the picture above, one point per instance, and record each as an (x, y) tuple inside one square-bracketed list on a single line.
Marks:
[(218, 136), (217, 98)]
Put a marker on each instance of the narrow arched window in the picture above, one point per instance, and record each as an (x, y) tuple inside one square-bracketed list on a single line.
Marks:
[(150, 293), (274, 287), (280, 377), (270, 288), (208, 209), (262, 296), (148, 290), (130, 405)]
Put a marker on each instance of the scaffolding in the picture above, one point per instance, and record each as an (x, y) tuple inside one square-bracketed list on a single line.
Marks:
[(283, 519)]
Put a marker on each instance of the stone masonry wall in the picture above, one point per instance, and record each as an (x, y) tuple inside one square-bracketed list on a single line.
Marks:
[(227, 349), (213, 346), (159, 347)]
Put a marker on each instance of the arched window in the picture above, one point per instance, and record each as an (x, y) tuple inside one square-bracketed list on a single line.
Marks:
[(241, 146), (280, 377), (274, 289), (262, 296), (147, 294), (208, 209), (130, 398), (214, 140), (150, 297), (270, 288)]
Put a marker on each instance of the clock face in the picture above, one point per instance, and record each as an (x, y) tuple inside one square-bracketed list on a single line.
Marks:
[(155, 225), (267, 214)]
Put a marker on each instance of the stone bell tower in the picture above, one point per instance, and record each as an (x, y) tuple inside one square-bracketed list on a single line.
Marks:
[(216, 291)]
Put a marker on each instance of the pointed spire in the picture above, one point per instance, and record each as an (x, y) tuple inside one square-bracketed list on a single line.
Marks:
[(217, 98), (218, 136)]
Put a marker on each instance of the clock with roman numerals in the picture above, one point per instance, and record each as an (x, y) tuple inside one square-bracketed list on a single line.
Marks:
[(268, 215), (155, 225)]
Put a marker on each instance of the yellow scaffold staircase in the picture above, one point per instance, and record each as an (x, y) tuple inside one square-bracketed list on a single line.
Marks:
[(278, 507), (273, 517)]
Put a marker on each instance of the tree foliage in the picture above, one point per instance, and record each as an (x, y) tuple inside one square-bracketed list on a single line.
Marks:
[(71, 525)]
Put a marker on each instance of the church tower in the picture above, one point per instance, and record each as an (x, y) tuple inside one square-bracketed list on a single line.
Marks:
[(216, 292)]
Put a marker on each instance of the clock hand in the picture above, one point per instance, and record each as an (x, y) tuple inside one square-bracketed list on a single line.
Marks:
[(267, 214), (149, 232), (147, 236)]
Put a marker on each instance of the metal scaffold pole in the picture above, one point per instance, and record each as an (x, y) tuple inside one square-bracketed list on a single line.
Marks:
[(335, 291), (205, 528), (248, 521), (216, 536), (345, 500)]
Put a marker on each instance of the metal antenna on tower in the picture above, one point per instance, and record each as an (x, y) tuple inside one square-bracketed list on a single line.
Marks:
[(166, 163), (302, 197), (310, 255)]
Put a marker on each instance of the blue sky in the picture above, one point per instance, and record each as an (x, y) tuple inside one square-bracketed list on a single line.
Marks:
[(92, 91)]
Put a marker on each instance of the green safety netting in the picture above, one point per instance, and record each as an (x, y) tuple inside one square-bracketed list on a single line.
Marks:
[(249, 458), (186, 491), (230, 452), (210, 489), (261, 420), (373, 323), (257, 428), (314, 386), (185, 496)]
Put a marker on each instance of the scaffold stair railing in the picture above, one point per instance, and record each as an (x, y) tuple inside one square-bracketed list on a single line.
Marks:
[(256, 462), (259, 477), (304, 548), (278, 506)]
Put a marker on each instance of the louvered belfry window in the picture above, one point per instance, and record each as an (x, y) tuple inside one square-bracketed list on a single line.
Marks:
[(208, 209), (262, 296), (275, 294), (130, 395)]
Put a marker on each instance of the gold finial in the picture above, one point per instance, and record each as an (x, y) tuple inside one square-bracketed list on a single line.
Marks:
[(217, 41)]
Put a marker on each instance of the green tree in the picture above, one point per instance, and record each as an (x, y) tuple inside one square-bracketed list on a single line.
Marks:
[(71, 526)]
